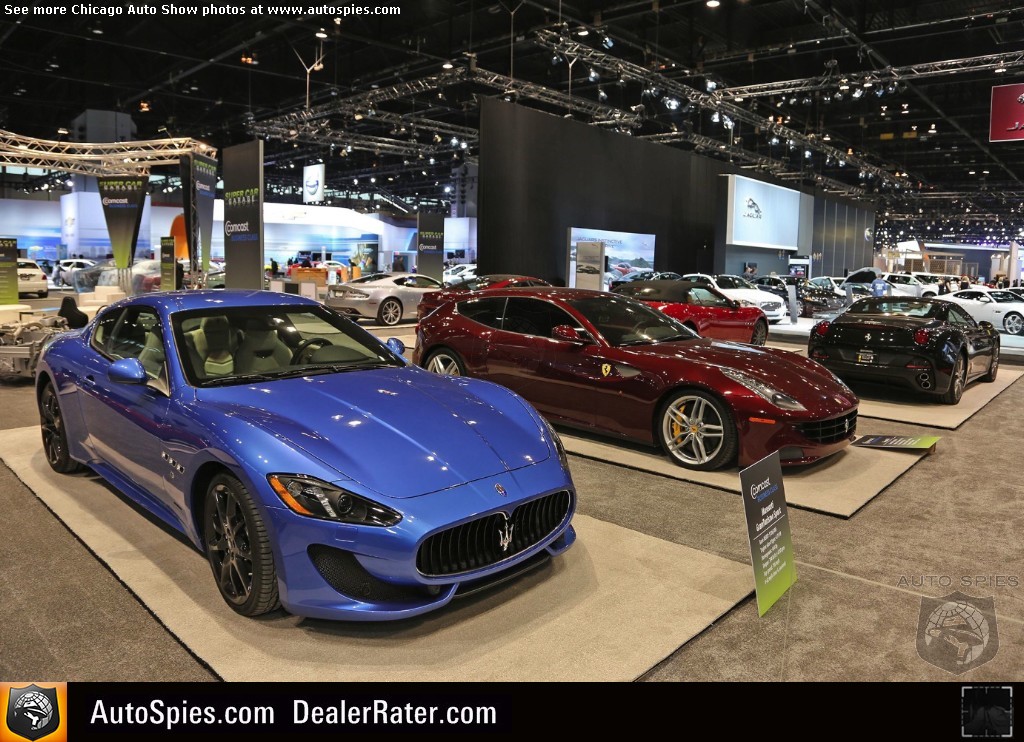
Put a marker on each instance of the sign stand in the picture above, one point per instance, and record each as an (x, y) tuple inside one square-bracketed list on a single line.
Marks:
[(771, 543)]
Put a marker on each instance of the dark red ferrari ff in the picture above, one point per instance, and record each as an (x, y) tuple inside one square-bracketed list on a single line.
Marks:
[(705, 310), (614, 365), (433, 299)]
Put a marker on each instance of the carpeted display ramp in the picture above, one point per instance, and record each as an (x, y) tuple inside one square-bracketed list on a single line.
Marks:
[(611, 608)]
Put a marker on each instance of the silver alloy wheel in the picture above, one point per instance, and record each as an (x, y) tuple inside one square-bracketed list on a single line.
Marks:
[(443, 363), (994, 365), (1014, 323), (391, 312), (692, 430), (960, 376), (760, 334)]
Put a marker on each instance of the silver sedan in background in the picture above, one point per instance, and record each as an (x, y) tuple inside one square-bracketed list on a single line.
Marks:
[(385, 297)]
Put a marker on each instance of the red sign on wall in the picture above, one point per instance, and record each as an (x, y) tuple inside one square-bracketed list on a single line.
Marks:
[(1006, 123)]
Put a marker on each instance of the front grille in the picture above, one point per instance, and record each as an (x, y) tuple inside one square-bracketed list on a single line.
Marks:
[(830, 431), (344, 573), (477, 544), (771, 306)]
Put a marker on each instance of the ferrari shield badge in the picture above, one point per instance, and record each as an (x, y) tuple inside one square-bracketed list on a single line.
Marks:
[(32, 712), (957, 632), (606, 369)]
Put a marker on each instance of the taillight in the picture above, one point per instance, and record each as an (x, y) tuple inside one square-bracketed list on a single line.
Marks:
[(921, 337), (821, 329)]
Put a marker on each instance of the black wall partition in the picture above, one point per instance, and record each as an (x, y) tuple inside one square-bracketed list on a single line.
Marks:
[(541, 175), (841, 232)]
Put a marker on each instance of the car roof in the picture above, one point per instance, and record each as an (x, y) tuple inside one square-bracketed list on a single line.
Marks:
[(661, 290), (187, 300)]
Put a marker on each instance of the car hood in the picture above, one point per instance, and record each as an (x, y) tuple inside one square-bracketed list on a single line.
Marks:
[(400, 432), (757, 296), (800, 378)]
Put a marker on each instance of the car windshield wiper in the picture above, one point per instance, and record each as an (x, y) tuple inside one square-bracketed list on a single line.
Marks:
[(350, 366), (238, 379), (654, 341)]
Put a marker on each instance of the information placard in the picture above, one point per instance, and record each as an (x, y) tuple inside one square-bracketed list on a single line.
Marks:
[(168, 276), (8, 270), (771, 544), (899, 442)]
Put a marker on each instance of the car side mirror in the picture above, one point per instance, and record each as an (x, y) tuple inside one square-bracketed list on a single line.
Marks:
[(127, 371), (396, 346), (985, 299), (986, 325), (568, 334)]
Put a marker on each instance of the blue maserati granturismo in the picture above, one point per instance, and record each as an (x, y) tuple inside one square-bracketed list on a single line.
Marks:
[(313, 465)]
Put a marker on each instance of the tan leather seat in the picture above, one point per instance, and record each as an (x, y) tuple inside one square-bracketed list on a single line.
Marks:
[(261, 349), (215, 343)]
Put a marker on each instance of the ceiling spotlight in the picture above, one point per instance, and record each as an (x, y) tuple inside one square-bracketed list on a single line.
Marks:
[(355, 181), (827, 98), (728, 123), (869, 84), (857, 93), (906, 108), (670, 103), (464, 145), (606, 42), (715, 117), (593, 76), (447, 189), (601, 95), (556, 58), (64, 132), (773, 141), (879, 91), (581, 32), (713, 3), (806, 100), (454, 142), (97, 29), (738, 99), (838, 97), (891, 88), (321, 34), (1000, 69), (143, 106), (373, 179), (826, 138), (931, 129), (337, 21), (844, 85), (842, 163), (447, 66), (710, 85), (808, 154)]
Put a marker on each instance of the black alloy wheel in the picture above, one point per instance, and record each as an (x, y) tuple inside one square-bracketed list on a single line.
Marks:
[(957, 382), (55, 437), (760, 334), (993, 366), (238, 548)]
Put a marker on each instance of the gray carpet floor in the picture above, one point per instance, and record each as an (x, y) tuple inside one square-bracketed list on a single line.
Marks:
[(853, 614)]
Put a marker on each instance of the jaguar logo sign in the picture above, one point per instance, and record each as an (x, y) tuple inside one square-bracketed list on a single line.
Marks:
[(753, 210)]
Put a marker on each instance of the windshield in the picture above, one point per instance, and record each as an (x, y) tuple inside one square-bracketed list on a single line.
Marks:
[(622, 321), (235, 345), (902, 307), (370, 277), (734, 282)]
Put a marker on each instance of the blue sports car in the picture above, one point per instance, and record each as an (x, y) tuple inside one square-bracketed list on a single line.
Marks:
[(312, 464)]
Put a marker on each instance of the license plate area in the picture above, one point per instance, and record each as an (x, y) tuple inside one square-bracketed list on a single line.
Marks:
[(865, 356)]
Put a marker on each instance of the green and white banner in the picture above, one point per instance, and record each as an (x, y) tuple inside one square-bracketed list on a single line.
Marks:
[(771, 544), (123, 197), (168, 273), (8, 270), (899, 442)]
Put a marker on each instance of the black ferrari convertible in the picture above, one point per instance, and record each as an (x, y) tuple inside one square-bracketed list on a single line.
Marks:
[(929, 345)]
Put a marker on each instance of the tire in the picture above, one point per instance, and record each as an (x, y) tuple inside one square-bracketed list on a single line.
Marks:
[(444, 361), (389, 313), (709, 422), (993, 366), (928, 295), (232, 529), (1013, 323), (55, 436), (957, 383), (760, 334), (43, 294)]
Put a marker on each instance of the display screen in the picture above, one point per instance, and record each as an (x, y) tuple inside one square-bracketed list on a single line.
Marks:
[(762, 214), (624, 252)]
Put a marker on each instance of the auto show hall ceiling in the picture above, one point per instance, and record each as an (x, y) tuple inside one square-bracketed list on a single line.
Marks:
[(882, 100)]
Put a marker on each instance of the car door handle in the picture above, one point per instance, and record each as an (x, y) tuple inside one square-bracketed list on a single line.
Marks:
[(90, 380)]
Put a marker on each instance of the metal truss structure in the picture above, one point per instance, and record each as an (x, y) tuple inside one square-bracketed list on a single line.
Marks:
[(984, 63), (115, 158), (629, 71)]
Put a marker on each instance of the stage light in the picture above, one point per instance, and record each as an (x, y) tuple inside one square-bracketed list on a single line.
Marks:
[(601, 95), (606, 42), (857, 93), (715, 117), (447, 66), (670, 103), (593, 76), (321, 34)]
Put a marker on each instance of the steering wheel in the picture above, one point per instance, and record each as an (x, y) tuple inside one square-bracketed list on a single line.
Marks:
[(305, 345)]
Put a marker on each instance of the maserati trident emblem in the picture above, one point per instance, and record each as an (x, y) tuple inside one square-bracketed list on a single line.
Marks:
[(867, 338), (505, 535), (500, 490)]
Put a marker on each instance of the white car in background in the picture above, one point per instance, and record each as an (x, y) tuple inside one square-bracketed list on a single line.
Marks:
[(1004, 309), (32, 279), (740, 289), (460, 272), (864, 277), (912, 283), (828, 283), (385, 297), (64, 268)]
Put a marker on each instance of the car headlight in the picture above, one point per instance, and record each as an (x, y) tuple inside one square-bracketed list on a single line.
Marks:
[(745, 303), (767, 304), (559, 446), (318, 499), (767, 393)]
